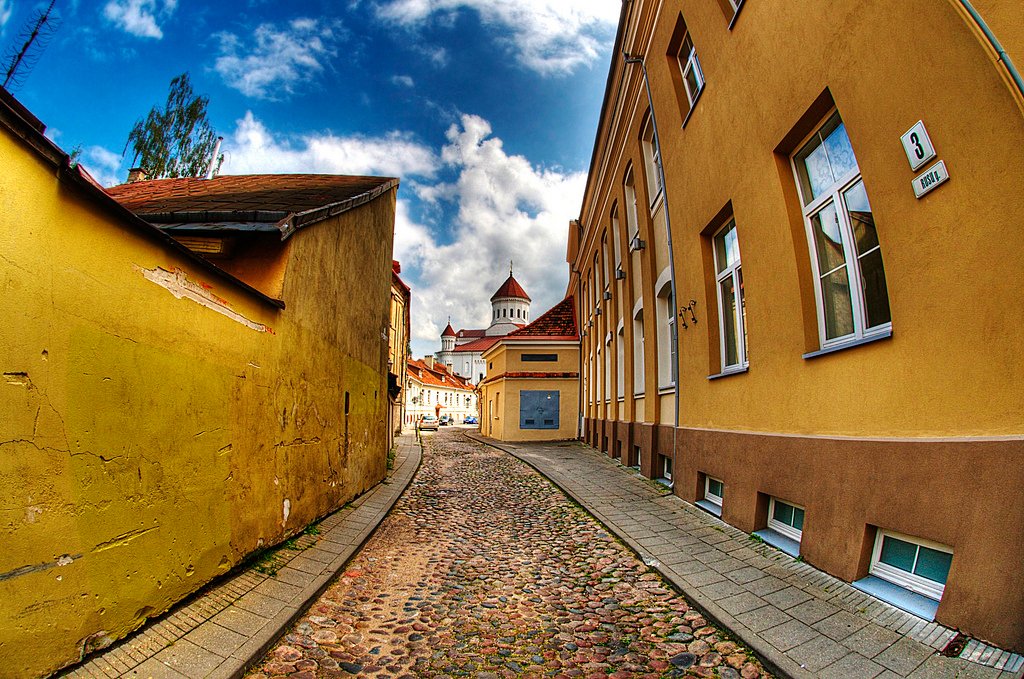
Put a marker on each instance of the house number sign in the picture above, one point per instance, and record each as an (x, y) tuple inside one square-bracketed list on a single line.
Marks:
[(917, 145)]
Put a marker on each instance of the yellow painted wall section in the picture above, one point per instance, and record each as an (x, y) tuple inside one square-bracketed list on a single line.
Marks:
[(149, 443), (568, 358)]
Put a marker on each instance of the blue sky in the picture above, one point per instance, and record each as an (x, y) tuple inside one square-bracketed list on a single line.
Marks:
[(486, 109)]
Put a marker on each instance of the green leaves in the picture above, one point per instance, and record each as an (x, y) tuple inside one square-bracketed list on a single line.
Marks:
[(177, 141)]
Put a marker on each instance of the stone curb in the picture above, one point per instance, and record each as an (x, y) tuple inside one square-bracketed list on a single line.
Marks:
[(228, 628), (774, 661)]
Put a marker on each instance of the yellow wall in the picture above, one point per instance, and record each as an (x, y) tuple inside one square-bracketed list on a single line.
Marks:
[(503, 422), (148, 443)]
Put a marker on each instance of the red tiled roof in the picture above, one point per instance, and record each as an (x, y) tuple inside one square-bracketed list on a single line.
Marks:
[(472, 333), (482, 344), (249, 198), (511, 288), (559, 322), (448, 331), (421, 371)]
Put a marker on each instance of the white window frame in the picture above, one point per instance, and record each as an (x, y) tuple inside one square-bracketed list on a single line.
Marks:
[(607, 369), (784, 528), (607, 270), (709, 495), (834, 195), (616, 245), (639, 387), (733, 271), (910, 581), (688, 62), (620, 357), (667, 338), (632, 214), (652, 166), (666, 467)]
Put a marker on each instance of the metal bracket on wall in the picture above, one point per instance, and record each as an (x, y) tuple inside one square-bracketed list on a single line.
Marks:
[(689, 307)]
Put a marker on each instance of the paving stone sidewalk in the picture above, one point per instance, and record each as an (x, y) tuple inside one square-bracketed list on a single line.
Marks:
[(221, 631), (799, 620)]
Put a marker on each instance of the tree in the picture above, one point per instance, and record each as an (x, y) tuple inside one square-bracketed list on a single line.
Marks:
[(177, 141)]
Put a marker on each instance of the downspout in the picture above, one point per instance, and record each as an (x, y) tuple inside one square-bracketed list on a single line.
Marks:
[(668, 228), (993, 42)]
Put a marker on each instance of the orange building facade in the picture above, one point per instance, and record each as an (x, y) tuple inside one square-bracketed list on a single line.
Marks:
[(796, 269)]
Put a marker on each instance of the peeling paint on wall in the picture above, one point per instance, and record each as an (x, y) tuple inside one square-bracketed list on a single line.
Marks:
[(63, 560), (178, 284), (287, 511)]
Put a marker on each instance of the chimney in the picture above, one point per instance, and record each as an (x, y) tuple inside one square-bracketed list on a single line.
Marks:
[(136, 174), (429, 360)]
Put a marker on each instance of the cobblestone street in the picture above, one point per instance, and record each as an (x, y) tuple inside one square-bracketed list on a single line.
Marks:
[(485, 569)]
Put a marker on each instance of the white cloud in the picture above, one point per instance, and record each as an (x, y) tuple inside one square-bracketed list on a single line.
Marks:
[(274, 60), (6, 9), (252, 148), (402, 80), (507, 209), (103, 165), (140, 18), (551, 37)]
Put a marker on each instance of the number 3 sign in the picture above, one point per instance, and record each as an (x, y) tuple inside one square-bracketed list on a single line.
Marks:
[(917, 145)]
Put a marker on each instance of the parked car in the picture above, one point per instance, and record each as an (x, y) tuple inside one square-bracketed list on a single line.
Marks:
[(469, 419), (446, 420), (428, 422)]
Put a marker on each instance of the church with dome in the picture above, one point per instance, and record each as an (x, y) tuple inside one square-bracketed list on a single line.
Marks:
[(462, 351)]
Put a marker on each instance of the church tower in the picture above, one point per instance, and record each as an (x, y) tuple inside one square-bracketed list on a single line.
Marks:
[(446, 354), (510, 307)]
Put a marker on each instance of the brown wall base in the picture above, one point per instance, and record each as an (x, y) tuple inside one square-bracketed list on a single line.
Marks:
[(963, 493)]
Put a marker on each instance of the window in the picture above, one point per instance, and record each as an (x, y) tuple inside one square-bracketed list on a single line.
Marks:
[(732, 307), (714, 491), (538, 409), (652, 163), (686, 72), (616, 247), (638, 352), (629, 186), (539, 358), (608, 368), (666, 467), (850, 289), (607, 261), (786, 519), (620, 362), (667, 351), (693, 77), (919, 565)]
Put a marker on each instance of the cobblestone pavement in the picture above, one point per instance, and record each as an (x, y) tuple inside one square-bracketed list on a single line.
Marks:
[(484, 569)]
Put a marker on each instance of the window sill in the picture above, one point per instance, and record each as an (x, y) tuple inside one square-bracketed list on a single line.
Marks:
[(904, 599), (736, 15), (739, 370), (693, 107), (657, 202), (710, 507), (849, 344), (665, 482), (664, 391), (640, 394), (779, 541)]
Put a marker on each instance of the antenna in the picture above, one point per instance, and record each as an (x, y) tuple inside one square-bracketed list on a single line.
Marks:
[(37, 34)]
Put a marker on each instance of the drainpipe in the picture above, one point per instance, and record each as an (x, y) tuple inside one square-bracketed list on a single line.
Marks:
[(993, 42), (668, 228)]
